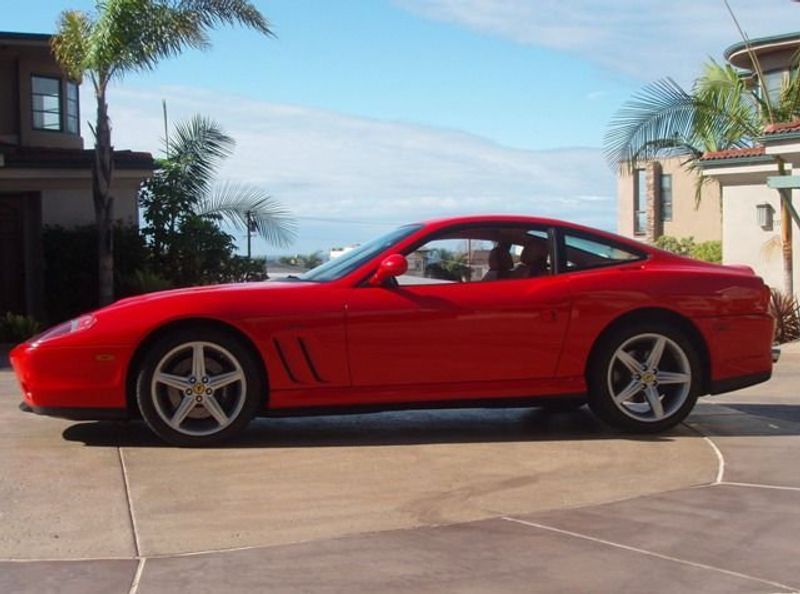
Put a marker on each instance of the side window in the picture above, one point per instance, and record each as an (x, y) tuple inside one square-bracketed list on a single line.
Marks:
[(585, 252), (484, 254), (445, 261)]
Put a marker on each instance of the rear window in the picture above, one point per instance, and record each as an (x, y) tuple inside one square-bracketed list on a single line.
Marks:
[(585, 252)]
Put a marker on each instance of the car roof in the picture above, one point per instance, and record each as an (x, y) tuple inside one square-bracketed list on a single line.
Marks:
[(436, 223)]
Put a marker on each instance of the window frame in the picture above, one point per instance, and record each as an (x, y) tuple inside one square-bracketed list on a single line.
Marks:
[(34, 111), (67, 100), (562, 232), (662, 210), (637, 205)]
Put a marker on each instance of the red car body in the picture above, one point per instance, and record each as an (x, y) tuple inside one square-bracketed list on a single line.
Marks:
[(347, 344)]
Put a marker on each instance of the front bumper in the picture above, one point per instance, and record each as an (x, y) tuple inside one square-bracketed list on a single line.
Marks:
[(54, 377), (77, 414)]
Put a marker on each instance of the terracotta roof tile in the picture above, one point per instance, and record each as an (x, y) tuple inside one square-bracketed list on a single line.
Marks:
[(737, 153), (783, 128)]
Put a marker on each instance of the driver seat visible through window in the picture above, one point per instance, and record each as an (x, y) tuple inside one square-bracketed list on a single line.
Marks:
[(500, 263)]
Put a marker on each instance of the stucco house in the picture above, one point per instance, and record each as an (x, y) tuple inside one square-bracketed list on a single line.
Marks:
[(45, 171), (751, 221), (659, 198), (737, 204), (751, 231)]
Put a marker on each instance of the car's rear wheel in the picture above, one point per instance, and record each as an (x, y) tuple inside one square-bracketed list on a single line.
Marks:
[(198, 387), (645, 378)]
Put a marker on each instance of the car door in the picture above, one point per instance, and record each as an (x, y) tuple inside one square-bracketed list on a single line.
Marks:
[(456, 332)]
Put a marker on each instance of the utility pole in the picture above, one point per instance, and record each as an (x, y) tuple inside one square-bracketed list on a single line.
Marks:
[(251, 227)]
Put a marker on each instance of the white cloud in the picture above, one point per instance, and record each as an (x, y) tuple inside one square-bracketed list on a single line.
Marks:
[(644, 39), (327, 165)]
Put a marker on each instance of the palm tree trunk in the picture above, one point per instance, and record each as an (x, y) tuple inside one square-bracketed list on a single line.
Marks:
[(103, 200), (786, 235)]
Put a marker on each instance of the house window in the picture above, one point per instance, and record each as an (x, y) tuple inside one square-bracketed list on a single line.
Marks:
[(666, 198), (774, 82), (46, 103), (73, 111), (640, 203)]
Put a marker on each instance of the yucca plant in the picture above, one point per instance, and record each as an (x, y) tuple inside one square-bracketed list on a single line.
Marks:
[(786, 311)]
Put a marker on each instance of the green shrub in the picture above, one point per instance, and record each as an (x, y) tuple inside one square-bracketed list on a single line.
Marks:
[(709, 251), (16, 328), (682, 246)]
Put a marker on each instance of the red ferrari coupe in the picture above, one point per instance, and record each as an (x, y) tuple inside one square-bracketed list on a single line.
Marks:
[(459, 312)]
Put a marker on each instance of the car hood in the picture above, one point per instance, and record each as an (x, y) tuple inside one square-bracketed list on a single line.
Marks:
[(208, 290)]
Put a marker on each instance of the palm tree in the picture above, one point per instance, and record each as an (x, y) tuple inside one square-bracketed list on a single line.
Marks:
[(125, 36), (184, 184), (724, 110)]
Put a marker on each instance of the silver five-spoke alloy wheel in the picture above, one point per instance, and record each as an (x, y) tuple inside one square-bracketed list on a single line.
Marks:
[(649, 377), (198, 388)]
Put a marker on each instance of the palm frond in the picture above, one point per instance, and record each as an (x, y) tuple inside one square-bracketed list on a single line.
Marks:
[(729, 112), (134, 35), (720, 113), (70, 43), (213, 13), (242, 205), (659, 116), (701, 182), (788, 107), (197, 147)]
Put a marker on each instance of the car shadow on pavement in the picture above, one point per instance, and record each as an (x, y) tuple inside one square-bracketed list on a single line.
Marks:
[(387, 429), (746, 420)]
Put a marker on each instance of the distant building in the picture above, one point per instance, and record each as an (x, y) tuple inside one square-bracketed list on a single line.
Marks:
[(338, 251), (45, 173)]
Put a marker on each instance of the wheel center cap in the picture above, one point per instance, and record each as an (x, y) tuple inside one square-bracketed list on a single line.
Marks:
[(199, 388), (648, 378)]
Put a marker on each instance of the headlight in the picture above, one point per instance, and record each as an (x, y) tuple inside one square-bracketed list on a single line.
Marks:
[(76, 325)]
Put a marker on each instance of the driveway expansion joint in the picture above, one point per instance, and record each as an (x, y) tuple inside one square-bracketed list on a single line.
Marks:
[(787, 589), (717, 452), (129, 501), (137, 577)]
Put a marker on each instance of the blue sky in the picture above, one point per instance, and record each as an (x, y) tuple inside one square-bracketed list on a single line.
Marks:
[(367, 113)]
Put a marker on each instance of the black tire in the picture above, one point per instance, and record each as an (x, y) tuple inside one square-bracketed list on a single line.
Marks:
[(223, 352), (676, 400)]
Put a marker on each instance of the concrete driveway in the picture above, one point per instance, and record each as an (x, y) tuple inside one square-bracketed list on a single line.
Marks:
[(458, 501)]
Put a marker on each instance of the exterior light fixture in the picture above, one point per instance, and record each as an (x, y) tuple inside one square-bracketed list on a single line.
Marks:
[(764, 215)]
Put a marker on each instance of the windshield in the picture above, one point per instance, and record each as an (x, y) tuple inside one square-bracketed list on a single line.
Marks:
[(343, 265)]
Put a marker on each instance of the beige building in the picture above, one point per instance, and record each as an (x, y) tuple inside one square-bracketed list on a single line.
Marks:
[(45, 172), (660, 199)]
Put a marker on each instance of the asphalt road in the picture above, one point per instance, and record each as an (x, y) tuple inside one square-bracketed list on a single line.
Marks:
[(442, 501)]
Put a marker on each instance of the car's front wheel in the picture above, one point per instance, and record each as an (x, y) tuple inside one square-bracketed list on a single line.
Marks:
[(198, 387), (645, 378)]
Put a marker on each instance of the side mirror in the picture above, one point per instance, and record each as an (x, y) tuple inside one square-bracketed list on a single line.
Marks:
[(391, 266)]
